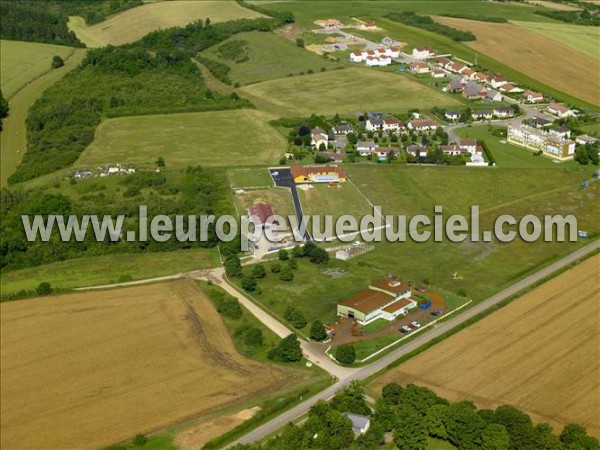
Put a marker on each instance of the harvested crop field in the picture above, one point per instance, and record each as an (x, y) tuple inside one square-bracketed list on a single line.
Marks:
[(135, 23), (543, 58), (90, 369), (541, 353)]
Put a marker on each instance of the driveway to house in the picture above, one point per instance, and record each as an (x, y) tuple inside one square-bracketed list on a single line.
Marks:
[(275, 424), (282, 177)]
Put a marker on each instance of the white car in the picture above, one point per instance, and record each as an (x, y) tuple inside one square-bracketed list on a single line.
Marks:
[(415, 324)]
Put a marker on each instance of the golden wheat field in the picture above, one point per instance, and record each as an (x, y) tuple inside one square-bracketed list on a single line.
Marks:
[(536, 56), (541, 353), (89, 369), (135, 23)]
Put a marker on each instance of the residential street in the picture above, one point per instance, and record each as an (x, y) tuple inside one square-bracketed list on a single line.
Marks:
[(364, 372)]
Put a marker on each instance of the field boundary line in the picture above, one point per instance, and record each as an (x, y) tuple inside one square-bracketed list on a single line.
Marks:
[(177, 276)]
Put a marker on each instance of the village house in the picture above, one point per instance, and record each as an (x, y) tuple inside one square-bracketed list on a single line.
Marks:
[(540, 140), (482, 77), (374, 124), (260, 213), (392, 124), (417, 150), (539, 122), (585, 139), (342, 129), (455, 67), (503, 111), (453, 150), (378, 61), (556, 109), (467, 72), (443, 61), (422, 53), (452, 115), (340, 141), (471, 145), (482, 114), (422, 125), (385, 299), (532, 97), (419, 67), (508, 87), (438, 73), (474, 91), (317, 174), (365, 148), (332, 156), (494, 96), (497, 80), (318, 136), (360, 423), (357, 57), (455, 85), (561, 131)]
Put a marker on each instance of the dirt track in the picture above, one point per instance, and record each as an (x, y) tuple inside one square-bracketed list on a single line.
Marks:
[(91, 369), (541, 353)]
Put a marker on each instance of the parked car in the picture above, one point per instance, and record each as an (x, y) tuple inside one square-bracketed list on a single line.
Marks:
[(404, 329), (437, 312), (415, 324)]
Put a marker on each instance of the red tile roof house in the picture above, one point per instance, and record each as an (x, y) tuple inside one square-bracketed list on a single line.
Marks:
[(559, 110), (480, 77), (533, 97), (443, 61), (497, 80), (438, 73), (508, 87), (422, 52), (423, 125), (419, 67), (392, 124), (260, 213)]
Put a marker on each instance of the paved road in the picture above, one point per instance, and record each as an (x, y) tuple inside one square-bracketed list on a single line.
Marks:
[(281, 420), (284, 179)]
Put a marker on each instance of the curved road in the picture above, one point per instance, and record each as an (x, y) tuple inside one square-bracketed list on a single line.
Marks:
[(364, 372)]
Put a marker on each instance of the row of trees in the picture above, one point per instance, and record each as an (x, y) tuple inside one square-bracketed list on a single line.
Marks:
[(4, 108), (427, 23), (413, 414)]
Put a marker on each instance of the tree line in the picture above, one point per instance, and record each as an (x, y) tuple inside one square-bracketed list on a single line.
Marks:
[(408, 417), (427, 23)]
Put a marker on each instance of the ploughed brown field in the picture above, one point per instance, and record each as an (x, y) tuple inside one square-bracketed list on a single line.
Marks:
[(534, 55), (90, 369), (541, 353)]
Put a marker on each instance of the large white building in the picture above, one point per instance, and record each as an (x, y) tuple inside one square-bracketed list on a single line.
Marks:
[(536, 140)]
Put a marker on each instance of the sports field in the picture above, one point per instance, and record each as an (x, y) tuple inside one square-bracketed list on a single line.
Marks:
[(87, 370), (539, 58), (219, 138), (346, 91), (579, 38), (269, 56), (541, 352), (133, 24), (22, 62), (108, 269)]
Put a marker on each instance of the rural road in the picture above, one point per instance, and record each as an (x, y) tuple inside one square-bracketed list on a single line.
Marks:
[(364, 372)]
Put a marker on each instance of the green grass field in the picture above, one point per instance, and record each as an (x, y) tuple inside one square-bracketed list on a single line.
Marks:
[(269, 56), (279, 198), (218, 138), (508, 155), (346, 91), (133, 24), (249, 177), (485, 268), (107, 269), (23, 62), (13, 141), (334, 201), (580, 38), (307, 12)]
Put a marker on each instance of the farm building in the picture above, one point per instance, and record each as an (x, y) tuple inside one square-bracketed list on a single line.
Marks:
[(317, 174), (534, 139), (385, 299)]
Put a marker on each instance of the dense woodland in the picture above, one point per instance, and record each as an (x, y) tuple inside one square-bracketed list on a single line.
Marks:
[(153, 76), (427, 23), (410, 415), (194, 191)]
